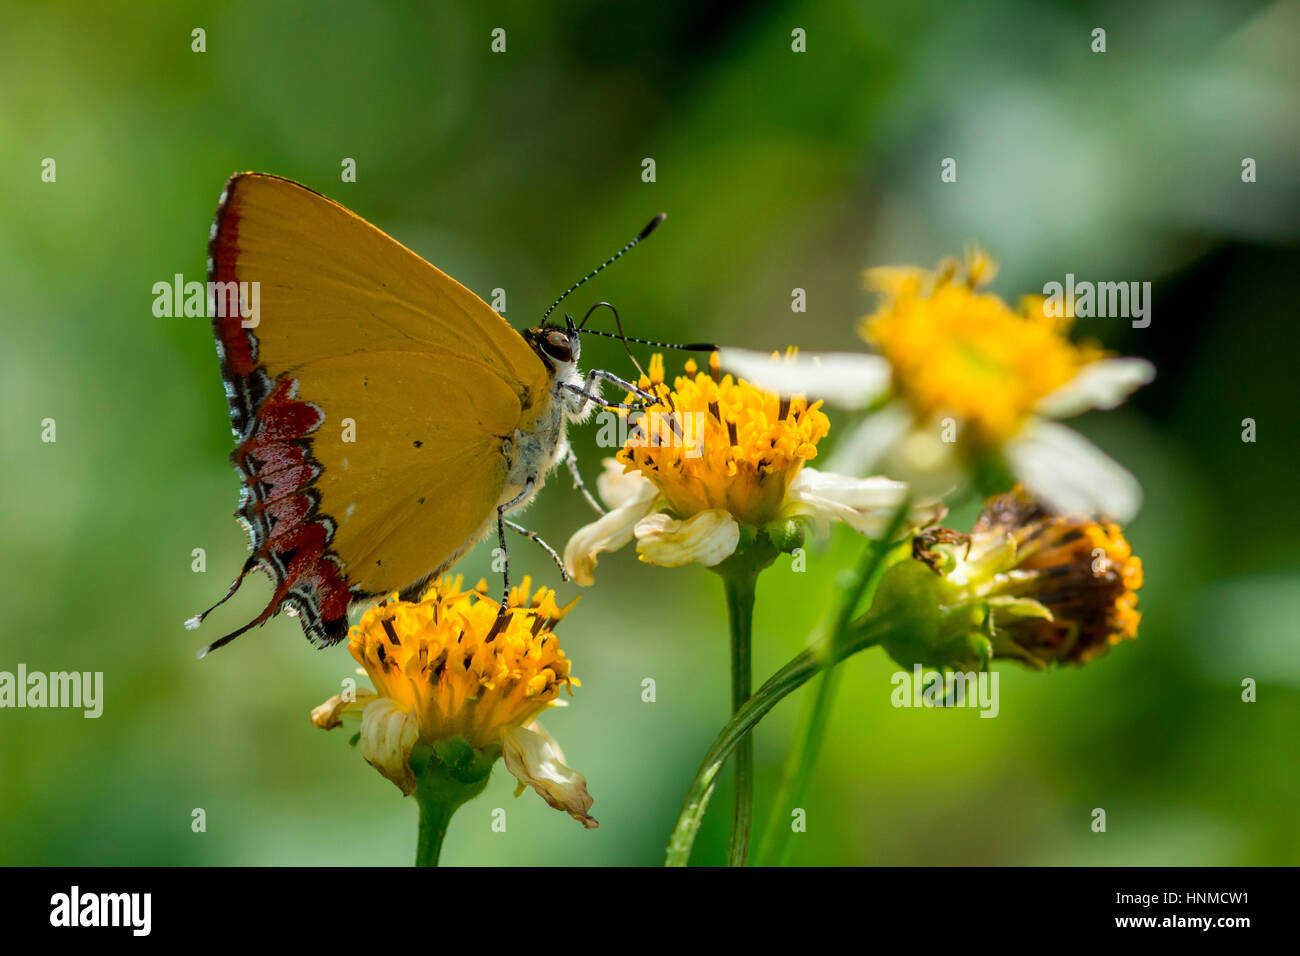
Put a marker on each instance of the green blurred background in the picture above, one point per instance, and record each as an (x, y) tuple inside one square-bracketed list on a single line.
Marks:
[(778, 170)]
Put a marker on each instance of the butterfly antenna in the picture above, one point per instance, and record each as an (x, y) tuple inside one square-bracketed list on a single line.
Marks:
[(624, 338), (618, 324), (650, 227), (680, 347)]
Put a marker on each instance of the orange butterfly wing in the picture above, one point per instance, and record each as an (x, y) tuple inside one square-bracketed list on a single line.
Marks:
[(370, 397)]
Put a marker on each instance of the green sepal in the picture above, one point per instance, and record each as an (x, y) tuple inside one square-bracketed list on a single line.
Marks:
[(786, 535), (462, 762), (927, 625), (754, 552)]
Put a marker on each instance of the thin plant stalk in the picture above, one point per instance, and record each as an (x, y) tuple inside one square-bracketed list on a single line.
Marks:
[(447, 777), (741, 583), (774, 846), (434, 819), (802, 760), (805, 666)]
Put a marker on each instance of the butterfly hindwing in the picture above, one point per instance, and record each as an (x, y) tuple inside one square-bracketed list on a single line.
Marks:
[(446, 460), (370, 395)]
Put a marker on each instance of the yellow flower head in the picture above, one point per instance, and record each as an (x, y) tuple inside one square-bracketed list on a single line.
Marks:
[(454, 673), (718, 443), (461, 669), (1083, 571), (1058, 589), (954, 350)]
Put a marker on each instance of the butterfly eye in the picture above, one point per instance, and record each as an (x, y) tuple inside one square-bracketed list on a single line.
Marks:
[(556, 345)]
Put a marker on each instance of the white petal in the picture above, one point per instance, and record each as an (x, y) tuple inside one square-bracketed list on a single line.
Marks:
[(618, 487), (889, 441), (991, 557), (846, 379), (861, 450), (855, 492), (1070, 473), (533, 757), (608, 533), (537, 728), (1102, 384), (387, 735), (706, 538), (331, 713), (865, 504), (1008, 608)]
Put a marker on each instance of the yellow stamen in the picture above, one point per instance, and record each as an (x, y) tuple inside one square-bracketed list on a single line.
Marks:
[(721, 443), (954, 350), (459, 669)]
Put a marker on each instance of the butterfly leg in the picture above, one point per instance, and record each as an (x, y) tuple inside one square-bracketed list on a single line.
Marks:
[(524, 495), (619, 406), (587, 391), (598, 375), (571, 460), (534, 537)]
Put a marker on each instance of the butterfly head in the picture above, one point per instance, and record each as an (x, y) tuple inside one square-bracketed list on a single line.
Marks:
[(558, 348)]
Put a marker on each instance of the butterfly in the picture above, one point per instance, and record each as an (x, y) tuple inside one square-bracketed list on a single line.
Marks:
[(385, 417)]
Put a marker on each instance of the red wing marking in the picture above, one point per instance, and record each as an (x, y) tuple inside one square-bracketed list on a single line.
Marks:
[(287, 533)]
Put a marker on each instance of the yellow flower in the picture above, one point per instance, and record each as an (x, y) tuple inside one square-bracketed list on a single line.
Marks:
[(960, 382), (451, 667), (718, 455), (955, 350), (748, 447), (1025, 585)]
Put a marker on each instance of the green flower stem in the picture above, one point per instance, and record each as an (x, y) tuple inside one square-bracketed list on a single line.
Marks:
[(806, 665), (799, 768), (434, 819), (740, 585), (446, 778), (803, 756), (755, 551)]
